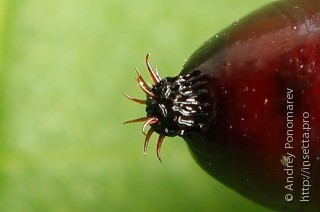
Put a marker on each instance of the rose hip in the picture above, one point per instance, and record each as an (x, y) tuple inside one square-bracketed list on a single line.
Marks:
[(247, 103)]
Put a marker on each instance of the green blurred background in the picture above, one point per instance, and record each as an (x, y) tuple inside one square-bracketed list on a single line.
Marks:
[(64, 64)]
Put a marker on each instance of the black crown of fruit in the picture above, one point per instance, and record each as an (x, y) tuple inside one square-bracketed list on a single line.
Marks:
[(181, 104), (174, 105)]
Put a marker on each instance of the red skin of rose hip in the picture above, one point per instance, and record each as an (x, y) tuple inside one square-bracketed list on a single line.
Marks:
[(247, 103), (251, 67)]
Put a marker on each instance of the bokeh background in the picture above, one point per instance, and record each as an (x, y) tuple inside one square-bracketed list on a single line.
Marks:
[(64, 64)]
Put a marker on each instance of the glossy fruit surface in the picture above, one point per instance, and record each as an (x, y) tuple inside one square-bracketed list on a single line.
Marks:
[(247, 103)]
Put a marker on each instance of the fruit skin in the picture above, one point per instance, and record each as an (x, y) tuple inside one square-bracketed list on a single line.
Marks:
[(250, 69)]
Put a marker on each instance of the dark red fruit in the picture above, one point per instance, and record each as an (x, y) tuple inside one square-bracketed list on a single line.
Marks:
[(247, 103)]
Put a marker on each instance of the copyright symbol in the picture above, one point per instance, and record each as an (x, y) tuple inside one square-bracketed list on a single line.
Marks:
[(288, 197)]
